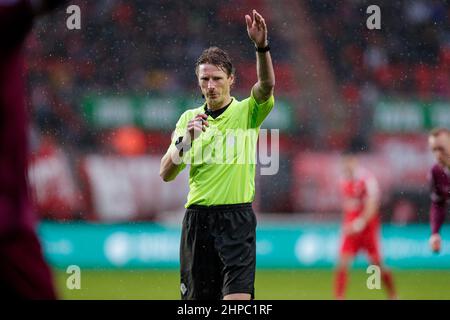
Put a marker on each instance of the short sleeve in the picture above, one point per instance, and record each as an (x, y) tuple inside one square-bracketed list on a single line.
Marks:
[(259, 111)]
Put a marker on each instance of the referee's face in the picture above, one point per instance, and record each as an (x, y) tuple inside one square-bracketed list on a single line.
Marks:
[(215, 84)]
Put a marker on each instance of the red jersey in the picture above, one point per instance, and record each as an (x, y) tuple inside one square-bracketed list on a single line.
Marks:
[(355, 192)]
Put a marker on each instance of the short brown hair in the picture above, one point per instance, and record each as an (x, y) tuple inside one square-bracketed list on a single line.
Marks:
[(216, 57), (438, 131)]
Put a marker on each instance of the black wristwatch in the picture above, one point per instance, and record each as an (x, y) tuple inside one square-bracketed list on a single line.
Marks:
[(265, 49), (180, 146)]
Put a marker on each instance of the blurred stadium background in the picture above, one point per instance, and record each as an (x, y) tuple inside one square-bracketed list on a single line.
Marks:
[(105, 98)]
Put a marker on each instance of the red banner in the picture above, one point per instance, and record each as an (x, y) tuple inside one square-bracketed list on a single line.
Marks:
[(52, 184), (129, 188)]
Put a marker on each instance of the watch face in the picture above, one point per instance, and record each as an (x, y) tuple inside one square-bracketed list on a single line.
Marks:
[(178, 143), (178, 140)]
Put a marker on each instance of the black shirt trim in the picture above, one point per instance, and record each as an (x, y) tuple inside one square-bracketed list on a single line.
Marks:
[(215, 113)]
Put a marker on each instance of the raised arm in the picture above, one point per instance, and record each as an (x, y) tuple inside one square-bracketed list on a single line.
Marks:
[(257, 31)]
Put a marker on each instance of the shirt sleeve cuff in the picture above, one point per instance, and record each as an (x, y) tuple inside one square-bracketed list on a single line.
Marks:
[(268, 101)]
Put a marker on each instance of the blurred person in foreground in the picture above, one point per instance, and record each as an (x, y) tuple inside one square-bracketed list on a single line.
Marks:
[(24, 273), (439, 142), (218, 242), (361, 224)]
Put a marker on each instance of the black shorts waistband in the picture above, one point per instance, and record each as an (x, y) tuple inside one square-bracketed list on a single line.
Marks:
[(222, 206)]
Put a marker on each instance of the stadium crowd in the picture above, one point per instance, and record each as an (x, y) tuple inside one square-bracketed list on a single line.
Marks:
[(128, 47), (409, 55)]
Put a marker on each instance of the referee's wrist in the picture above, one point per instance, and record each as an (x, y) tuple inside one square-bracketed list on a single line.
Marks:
[(262, 48), (183, 144)]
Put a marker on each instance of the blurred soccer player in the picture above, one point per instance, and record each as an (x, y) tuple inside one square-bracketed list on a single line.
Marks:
[(439, 142), (23, 271), (218, 242), (360, 228)]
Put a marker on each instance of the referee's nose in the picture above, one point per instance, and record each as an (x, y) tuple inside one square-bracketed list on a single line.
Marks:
[(211, 85)]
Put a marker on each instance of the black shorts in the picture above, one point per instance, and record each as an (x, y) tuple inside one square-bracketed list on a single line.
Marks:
[(218, 251)]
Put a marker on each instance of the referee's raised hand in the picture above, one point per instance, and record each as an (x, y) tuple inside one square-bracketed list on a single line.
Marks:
[(256, 29), (197, 125)]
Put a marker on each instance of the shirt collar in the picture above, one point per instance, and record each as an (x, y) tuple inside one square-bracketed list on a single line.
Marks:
[(214, 114)]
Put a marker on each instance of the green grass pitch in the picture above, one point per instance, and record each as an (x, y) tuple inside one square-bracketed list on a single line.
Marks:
[(270, 284)]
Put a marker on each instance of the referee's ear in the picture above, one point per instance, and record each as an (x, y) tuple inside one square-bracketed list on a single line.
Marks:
[(232, 79)]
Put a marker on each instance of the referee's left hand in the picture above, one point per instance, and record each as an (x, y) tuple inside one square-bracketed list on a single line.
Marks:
[(257, 29)]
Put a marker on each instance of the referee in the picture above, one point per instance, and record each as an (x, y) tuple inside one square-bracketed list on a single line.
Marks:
[(218, 241)]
